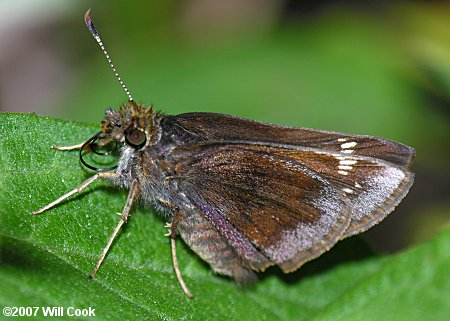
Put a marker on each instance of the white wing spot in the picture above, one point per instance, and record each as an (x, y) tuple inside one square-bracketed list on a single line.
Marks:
[(343, 172), (348, 145), (348, 162), (348, 190), (342, 139)]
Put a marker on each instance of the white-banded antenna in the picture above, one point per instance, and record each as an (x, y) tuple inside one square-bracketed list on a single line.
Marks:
[(94, 33)]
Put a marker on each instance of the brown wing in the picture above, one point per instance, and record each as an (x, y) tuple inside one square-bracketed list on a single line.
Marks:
[(373, 187), (200, 127), (212, 246), (287, 212)]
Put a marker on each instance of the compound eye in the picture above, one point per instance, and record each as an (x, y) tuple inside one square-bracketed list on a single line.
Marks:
[(135, 138)]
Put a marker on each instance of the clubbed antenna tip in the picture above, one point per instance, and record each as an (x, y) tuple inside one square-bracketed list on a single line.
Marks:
[(94, 33)]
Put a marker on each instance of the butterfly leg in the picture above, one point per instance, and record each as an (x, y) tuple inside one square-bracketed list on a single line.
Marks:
[(72, 147), (77, 190), (101, 142), (173, 234), (125, 214)]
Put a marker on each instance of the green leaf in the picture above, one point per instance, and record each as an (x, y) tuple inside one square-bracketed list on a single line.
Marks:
[(46, 258)]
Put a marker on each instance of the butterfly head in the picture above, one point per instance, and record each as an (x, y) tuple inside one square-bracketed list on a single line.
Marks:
[(133, 125)]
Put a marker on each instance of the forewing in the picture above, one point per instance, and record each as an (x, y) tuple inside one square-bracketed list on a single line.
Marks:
[(201, 127), (373, 187), (288, 212)]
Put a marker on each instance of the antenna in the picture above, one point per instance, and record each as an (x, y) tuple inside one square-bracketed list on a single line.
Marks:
[(94, 33)]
